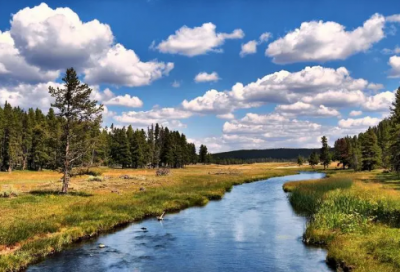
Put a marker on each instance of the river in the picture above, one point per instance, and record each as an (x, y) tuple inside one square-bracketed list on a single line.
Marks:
[(253, 228)]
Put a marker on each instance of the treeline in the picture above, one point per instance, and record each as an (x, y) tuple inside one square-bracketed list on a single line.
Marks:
[(156, 147), (266, 155), (231, 161), (34, 140), (379, 146)]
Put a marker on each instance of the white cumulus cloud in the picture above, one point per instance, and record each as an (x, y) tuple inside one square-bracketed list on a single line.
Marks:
[(205, 77), (313, 85), (251, 46), (121, 66), (42, 41), (379, 102), (248, 48), (363, 123), (169, 117), (375, 87), (304, 109), (197, 41), (126, 100), (355, 113), (323, 41), (394, 62), (28, 95), (57, 38), (14, 69)]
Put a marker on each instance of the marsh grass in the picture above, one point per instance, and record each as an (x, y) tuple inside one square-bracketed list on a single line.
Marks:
[(356, 215), (40, 221), (306, 197)]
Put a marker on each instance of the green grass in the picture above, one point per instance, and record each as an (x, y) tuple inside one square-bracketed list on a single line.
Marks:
[(357, 221), (306, 197)]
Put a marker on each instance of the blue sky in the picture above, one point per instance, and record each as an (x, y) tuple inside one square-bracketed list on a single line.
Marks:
[(322, 68)]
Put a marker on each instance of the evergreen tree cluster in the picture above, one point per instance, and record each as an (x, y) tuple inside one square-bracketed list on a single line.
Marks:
[(73, 137), (29, 140), (360, 152), (34, 140), (379, 146), (156, 147)]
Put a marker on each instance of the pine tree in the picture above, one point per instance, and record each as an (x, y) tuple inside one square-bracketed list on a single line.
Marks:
[(313, 160), (151, 145), (300, 160), (54, 125), (157, 145), (123, 151), (325, 156), (371, 153), (383, 134), (342, 152), (355, 155), (203, 154), (395, 132), (12, 139), (80, 114), (40, 154), (26, 140), (193, 158), (142, 148)]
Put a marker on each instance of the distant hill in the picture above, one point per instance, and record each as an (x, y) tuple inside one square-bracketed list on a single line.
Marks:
[(276, 153)]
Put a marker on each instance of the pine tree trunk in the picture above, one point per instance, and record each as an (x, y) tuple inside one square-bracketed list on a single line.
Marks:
[(92, 158), (9, 169), (65, 181), (66, 177), (24, 163)]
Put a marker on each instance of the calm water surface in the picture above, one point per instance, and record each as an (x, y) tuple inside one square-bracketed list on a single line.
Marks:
[(253, 228)]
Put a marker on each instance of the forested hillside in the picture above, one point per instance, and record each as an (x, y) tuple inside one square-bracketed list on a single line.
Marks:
[(259, 155)]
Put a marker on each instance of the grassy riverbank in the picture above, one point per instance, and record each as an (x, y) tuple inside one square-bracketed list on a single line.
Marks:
[(355, 215), (38, 221)]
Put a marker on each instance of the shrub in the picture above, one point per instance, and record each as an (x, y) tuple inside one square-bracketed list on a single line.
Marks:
[(95, 178), (162, 172), (86, 171), (10, 193)]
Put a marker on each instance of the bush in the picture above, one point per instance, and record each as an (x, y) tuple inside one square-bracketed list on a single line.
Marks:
[(7, 194), (86, 171), (95, 178), (162, 172)]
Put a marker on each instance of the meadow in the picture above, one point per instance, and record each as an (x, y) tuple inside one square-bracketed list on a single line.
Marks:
[(36, 220), (356, 215)]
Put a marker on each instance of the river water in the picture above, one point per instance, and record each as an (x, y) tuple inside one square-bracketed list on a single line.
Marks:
[(253, 228)]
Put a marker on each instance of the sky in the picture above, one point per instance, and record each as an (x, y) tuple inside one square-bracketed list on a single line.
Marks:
[(229, 74)]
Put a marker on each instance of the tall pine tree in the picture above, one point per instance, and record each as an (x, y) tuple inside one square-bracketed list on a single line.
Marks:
[(80, 113)]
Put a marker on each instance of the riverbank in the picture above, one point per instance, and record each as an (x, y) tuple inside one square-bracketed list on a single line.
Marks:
[(36, 221), (356, 216)]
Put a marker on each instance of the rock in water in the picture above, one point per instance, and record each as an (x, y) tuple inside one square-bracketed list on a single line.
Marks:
[(102, 246)]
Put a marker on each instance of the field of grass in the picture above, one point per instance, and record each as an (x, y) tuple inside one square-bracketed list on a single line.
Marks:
[(37, 221), (355, 215)]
